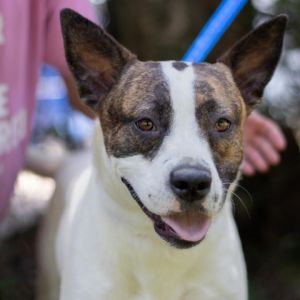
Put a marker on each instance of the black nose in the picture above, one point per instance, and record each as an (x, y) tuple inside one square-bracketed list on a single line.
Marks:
[(190, 183)]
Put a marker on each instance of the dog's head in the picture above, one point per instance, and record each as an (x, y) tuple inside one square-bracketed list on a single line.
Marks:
[(173, 130)]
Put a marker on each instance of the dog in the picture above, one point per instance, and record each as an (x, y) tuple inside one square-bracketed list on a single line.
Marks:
[(150, 217)]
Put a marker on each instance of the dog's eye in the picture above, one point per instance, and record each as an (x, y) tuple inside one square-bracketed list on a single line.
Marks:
[(145, 125), (222, 125)]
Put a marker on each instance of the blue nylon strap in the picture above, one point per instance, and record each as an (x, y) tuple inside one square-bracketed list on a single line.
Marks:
[(224, 15)]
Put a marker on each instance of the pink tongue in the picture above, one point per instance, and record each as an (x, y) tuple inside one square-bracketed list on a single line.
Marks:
[(190, 226)]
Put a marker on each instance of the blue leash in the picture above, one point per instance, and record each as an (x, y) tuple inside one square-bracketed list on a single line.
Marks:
[(224, 15)]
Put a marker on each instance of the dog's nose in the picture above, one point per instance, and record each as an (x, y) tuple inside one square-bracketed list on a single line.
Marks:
[(190, 183)]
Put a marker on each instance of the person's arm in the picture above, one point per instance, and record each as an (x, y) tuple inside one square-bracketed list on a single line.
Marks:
[(263, 141)]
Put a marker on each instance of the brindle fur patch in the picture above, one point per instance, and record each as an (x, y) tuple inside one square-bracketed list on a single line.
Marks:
[(217, 96), (141, 93)]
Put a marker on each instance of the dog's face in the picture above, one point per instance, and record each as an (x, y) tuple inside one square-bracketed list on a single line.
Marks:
[(173, 130)]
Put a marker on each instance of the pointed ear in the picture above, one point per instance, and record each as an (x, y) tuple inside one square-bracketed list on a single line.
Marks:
[(95, 59), (254, 58)]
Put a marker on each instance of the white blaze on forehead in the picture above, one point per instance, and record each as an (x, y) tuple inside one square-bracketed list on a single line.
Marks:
[(185, 135), (181, 85)]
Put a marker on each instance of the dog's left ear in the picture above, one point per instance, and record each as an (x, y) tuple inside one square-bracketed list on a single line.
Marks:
[(95, 58), (253, 59)]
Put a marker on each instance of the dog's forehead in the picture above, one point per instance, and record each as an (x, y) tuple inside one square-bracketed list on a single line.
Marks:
[(147, 83), (215, 82), (182, 99), (141, 85)]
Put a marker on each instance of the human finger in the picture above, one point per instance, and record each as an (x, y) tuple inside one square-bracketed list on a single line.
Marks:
[(267, 150), (273, 133), (256, 159), (247, 168)]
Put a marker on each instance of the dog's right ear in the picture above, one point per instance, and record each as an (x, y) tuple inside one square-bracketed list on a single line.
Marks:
[(95, 59)]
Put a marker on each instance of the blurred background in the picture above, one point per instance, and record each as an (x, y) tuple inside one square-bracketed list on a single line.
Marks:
[(266, 206)]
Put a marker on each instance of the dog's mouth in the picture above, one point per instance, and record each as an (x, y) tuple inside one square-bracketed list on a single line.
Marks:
[(182, 230)]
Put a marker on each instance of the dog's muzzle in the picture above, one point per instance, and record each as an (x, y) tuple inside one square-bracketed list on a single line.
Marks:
[(182, 230)]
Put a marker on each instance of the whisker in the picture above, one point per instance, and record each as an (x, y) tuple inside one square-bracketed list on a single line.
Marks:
[(247, 193), (236, 196)]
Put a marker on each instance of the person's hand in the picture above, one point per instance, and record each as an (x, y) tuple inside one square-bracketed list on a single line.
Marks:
[(263, 141)]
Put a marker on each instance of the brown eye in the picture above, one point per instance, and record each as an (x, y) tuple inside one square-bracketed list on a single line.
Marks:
[(145, 125), (222, 125)]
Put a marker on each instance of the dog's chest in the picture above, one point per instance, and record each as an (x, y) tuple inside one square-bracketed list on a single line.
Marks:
[(203, 276), (132, 267), (206, 272)]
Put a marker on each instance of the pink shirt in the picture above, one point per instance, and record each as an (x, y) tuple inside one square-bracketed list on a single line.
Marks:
[(29, 35)]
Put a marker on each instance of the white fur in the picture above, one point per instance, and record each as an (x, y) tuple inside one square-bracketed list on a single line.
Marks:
[(107, 247)]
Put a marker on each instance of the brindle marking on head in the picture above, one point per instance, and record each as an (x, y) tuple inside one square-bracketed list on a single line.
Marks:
[(120, 88), (179, 65), (217, 96), (123, 90), (141, 93)]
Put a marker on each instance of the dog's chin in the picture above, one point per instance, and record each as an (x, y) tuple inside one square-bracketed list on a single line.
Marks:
[(175, 229)]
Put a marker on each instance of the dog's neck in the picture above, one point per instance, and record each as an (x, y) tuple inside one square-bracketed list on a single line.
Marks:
[(103, 166)]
